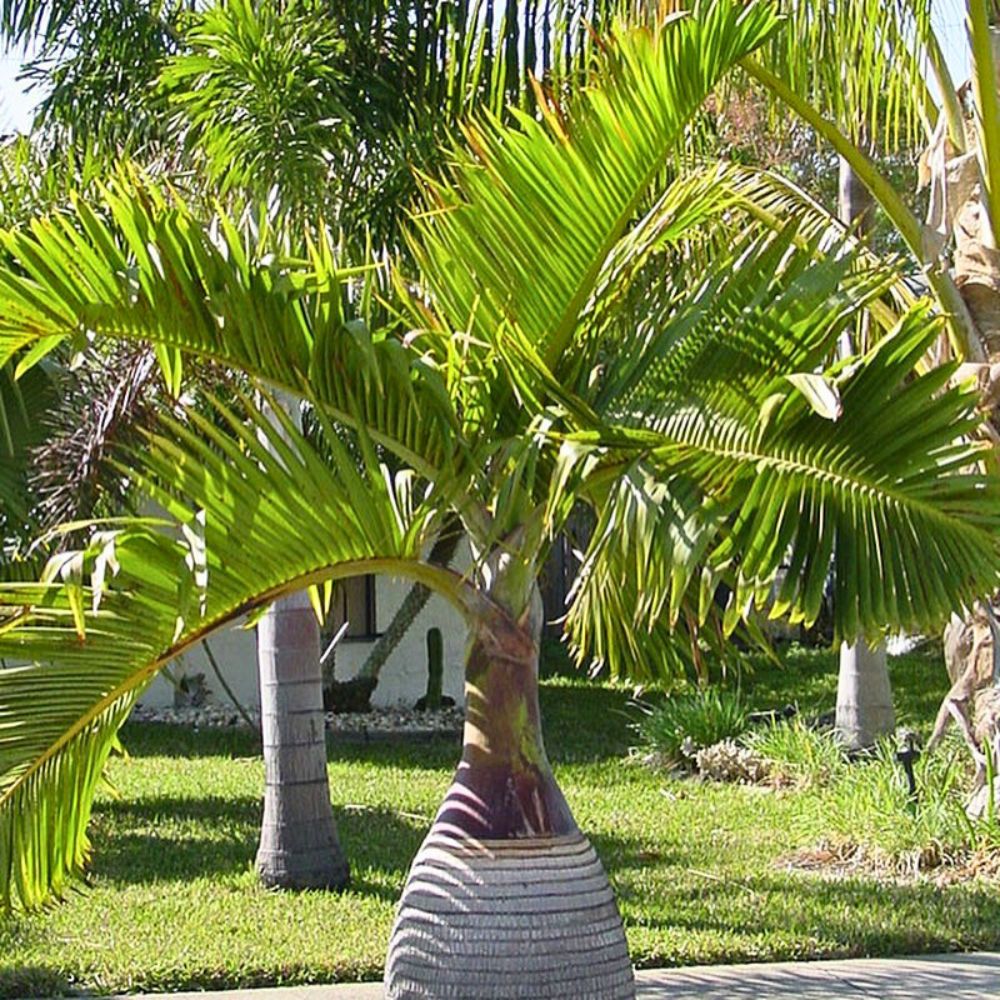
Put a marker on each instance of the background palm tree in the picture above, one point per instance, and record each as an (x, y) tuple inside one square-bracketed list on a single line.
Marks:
[(901, 99), (685, 402), (858, 62)]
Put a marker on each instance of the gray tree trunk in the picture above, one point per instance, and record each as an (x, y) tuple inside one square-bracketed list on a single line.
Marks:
[(864, 695), (299, 848), (864, 692)]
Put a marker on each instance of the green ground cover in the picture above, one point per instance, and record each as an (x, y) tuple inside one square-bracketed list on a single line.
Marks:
[(173, 903)]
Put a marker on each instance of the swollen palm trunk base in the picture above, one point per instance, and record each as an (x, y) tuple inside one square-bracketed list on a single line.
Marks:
[(532, 918), (506, 898)]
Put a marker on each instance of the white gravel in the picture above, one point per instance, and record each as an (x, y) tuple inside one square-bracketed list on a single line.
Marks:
[(383, 721)]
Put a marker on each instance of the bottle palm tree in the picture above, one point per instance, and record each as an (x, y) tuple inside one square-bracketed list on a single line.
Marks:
[(565, 340), (292, 103)]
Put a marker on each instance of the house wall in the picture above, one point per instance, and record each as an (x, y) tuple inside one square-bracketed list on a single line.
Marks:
[(403, 679)]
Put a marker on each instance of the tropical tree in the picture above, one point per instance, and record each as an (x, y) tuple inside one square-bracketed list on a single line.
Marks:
[(292, 103), (858, 63), (894, 65), (684, 397)]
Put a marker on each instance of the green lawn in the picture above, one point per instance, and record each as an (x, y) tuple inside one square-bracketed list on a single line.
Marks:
[(173, 902)]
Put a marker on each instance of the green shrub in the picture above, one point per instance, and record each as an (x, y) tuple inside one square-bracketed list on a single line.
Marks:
[(703, 718), (800, 753)]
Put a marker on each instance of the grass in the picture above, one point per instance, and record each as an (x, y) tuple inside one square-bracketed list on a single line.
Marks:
[(173, 903)]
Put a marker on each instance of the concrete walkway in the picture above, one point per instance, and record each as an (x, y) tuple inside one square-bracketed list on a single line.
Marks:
[(937, 977)]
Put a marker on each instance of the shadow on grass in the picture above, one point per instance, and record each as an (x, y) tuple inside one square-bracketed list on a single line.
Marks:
[(622, 856), (166, 838), (808, 678), (583, 722), (35, 981)]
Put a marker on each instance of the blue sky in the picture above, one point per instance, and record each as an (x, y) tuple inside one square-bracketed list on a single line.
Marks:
[(16, 105)]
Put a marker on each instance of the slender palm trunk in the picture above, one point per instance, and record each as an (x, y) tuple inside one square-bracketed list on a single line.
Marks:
[(864, 692), (298, 848), (506, 897), (864, 695)]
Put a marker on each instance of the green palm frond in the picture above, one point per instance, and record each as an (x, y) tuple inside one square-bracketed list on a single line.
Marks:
[(253, 512), (863, 62), (774, 457), (887, 490), (776, 201), (632, 607), (24, 405), (21, 19), (568, 187), (144, 267), (768, 310)]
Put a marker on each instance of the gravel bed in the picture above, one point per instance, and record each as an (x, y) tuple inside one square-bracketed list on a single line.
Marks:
[(377, 724)]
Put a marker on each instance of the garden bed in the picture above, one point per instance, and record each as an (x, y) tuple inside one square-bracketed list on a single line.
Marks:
[(379, 724)]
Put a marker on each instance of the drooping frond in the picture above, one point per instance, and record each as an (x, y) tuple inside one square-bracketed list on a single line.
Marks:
[(862, 467), (633, 607), (143, 267), (252, 513), (889, 490)]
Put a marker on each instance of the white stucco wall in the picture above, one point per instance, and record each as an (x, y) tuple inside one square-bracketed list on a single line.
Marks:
[(235, 650), (403, 679)]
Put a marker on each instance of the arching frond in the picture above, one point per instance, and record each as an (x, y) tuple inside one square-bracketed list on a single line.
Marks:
[(142, 266), (568, 187), (252, 513), (887, 490)]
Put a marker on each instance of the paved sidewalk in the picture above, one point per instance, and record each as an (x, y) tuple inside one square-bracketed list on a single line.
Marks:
[(936, 977)]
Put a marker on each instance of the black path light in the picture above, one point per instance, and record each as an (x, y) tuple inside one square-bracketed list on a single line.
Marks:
[(907, 755)]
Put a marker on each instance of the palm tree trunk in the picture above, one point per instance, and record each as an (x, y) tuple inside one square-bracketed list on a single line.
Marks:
[(506, 897), (864, 692), (298, 848), (864, 695)]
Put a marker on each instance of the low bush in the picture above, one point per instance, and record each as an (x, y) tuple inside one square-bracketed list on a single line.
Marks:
[(684, 724), (871, 804), (799, 753)]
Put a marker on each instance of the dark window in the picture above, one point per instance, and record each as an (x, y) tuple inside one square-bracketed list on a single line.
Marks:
[(354, 603)]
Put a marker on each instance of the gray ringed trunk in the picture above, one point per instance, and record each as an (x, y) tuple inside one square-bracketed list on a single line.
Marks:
[(299, 848), (506, 897)]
